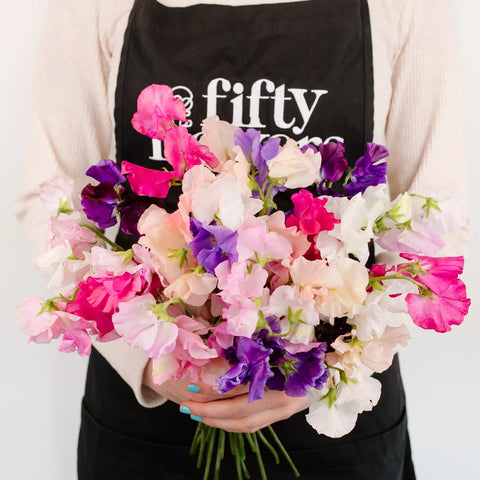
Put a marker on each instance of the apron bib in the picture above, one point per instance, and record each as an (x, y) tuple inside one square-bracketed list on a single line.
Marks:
[(302, 70)]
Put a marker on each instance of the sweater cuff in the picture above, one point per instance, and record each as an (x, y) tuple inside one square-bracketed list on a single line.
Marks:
[(130, 363)]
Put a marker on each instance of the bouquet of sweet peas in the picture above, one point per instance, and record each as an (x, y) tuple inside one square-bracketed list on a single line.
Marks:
[(290, 297)]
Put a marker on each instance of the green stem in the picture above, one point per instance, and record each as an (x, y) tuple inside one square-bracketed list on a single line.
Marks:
[(99, 234), (211, 440), (284, 452), (269, 446), (261, 466), (421, 286), (220, 453)]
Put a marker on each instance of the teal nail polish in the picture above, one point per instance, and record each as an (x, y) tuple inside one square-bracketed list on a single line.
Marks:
[(193, 388), (194, 417), (185, 410)]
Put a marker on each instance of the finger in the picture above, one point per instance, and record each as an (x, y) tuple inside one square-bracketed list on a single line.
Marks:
[(208, 394), (260, 419), (238, 407)]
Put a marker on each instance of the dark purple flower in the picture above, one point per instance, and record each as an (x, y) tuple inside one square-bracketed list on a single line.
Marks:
[(213, 244), (300, 371), (106, 171), (99, 203), (132, 208), (251, 360), (334, 163), (368, 172)]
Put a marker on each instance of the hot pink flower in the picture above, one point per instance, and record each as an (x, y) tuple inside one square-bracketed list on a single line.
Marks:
[(157, 108), (183, 151), (146, 181), (310, 215), (98, 298), (445, 303)]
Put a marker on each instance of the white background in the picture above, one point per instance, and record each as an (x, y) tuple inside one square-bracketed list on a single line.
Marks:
[(41, 388)]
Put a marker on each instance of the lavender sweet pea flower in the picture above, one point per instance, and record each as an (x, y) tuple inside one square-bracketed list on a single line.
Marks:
[(106, 171), (305, 370), (213, 244), (368, 171), (99, 204), (252, 365), (250, 143)]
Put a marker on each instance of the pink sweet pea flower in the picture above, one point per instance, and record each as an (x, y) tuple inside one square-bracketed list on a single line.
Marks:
[(98, 298), (146, 181), (445, 302), (183, 151), (48, 325), (157, 108), (310, 215), (140, 327)]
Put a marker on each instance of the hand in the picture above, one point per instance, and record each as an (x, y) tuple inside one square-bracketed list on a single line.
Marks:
[(238, 415), (177, 390)]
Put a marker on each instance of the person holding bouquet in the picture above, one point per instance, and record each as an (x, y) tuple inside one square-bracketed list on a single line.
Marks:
[(351, 71)]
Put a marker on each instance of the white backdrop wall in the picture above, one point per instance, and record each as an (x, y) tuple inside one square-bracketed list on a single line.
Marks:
[(41, 389)]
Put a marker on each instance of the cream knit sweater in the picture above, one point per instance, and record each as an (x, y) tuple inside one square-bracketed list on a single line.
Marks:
[(417, 110)]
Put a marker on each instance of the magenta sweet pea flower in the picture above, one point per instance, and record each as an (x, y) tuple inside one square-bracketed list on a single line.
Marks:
[(147, 182), (444, 302), (309, 214), (183, 151), (157, 109)]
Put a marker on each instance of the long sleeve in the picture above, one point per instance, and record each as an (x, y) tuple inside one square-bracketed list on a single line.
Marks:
[(424, 128), (73, 128)]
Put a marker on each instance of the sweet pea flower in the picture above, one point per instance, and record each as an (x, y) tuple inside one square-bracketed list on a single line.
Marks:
[(335, 287), (193, 288), (339, 418), (58, 196), (369, 170), (162, 235), (334, 163), (258, 244), (309, 214), (146, 181), (241, 279), (377, 354), (251, 364), (218, 136), (157, 109), (445, 302), (183, 151), (139, 325), (98, 299), (43, 325), (298, 168)]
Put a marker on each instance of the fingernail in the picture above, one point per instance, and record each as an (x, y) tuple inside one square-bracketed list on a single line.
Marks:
[(193, 388), (194, 417), (185, 410)]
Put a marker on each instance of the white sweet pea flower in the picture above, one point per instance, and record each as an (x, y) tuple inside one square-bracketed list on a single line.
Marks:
[(300, 169), (355, 229), (58, 195), (226, 201), (336, 287), (352, 398)]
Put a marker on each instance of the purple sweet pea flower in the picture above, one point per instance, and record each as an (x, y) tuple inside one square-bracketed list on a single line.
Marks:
[(106, 171), (99, 204), (334, 163), (213, 244), (368, 172), (251, 365), (132, 208), (305, 370), (251, 145)]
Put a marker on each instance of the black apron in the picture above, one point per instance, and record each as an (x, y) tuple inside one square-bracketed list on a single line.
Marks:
[(300, 69)]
